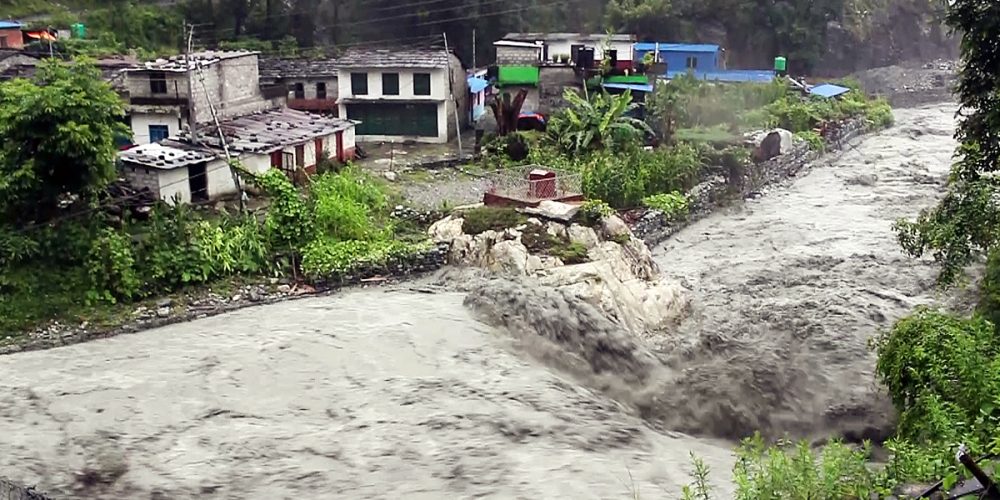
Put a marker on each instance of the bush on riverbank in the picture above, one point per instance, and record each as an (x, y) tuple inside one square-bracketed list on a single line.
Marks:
[(78, 269)]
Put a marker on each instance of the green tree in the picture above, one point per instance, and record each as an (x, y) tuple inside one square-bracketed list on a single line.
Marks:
[(602, 121), (964, 225), (57, 139)]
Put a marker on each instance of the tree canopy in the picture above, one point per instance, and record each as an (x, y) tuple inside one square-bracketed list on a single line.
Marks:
[(57, 138)]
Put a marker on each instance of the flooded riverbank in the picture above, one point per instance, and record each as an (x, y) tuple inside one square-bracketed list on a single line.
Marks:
[(401, 394)]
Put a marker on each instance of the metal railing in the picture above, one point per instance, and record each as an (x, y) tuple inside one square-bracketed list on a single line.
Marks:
[(516, 184)]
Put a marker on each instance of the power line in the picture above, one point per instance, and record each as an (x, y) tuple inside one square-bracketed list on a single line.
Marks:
[(536, 5)]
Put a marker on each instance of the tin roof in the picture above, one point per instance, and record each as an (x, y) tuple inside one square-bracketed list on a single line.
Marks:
[(166, 155), (828, 90), (557, 37), (272, 130), (7, 25), (677, 47), (280, 67), (182, 64), (393, 58)]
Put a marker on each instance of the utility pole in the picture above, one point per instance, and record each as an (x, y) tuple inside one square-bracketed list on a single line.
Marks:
[(222, 139), (451, 92), (189, 64), (473, 48)]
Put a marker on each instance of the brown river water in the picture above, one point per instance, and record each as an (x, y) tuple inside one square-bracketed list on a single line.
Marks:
[(504, 390)]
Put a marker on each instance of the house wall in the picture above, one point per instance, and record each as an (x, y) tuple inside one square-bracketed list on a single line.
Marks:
[(14, 39), (142, 120), (220, 179), (552, 82), (174, 182), (231, 85), (309, 86), (439, 84), (677, 61), (518, 56), (142, 177)]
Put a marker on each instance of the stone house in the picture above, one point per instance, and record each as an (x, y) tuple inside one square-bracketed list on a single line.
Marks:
[(564, 44), (311, 83), (403, 94), (180, 171), (160, 105)]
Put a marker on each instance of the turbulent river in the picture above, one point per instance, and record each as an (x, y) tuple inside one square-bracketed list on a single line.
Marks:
[(507, 391)]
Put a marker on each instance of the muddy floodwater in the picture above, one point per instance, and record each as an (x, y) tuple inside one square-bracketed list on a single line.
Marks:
[(400, 394)]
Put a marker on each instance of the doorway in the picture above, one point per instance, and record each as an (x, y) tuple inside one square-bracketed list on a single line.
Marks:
[(198, 182)]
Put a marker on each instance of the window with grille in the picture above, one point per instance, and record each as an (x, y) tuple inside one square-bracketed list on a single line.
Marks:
[(300, 91), (692, 63), (321, 90)]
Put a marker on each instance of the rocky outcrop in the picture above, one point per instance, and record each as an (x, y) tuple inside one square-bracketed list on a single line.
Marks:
[(619, 275)]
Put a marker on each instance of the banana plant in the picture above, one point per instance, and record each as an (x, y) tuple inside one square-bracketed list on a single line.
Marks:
[(602, 121)]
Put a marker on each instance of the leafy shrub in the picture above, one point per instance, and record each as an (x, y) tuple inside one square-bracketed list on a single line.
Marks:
[(989, 287), (837, 472), (15, 247), (674, 206), (879, 113), (593, 212), (943, 375), (814, 139), (289, 223), (481, 219), (326, 258), (111, 268), (345, 205)]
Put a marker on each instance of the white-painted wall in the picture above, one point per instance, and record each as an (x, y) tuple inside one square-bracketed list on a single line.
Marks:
[(142, 121), (175, 182), (220, 179), (559, 47), (439, 84)]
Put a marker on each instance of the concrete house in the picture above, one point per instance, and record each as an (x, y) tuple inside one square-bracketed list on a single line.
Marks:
[(406, 94), (704, 61), (179, 170), (160, 103), (562, 44), (10, 35), (311, 83)]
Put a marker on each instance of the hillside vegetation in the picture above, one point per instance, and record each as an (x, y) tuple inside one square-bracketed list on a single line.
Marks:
[(818, 36)]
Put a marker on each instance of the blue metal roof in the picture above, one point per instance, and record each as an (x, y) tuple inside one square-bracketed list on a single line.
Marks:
[(677, 47), (828, 90), (477, 84), (6, 25), (729, 75), (638, 87)]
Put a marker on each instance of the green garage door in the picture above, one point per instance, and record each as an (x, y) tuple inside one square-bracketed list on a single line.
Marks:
[(415, 120)]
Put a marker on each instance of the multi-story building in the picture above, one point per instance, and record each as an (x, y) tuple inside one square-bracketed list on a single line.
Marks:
[(409, 94), (311, 83), (167, 94)]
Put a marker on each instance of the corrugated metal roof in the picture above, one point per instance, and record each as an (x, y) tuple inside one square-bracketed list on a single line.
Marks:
[(729, 75), (629, 86), (477, 84), (182, 64), (279, 67), (553, 37), (828, 90), (393, 58), (7, 25), (166, 155), (677, 47), (271, 130)]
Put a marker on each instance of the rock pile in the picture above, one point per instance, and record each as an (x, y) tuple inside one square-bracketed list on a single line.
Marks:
[(611, 268)]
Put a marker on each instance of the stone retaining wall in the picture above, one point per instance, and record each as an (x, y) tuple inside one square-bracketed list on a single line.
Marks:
[(653, 227)]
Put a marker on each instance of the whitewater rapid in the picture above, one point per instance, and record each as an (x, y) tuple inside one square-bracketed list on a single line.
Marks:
[(394, 393)]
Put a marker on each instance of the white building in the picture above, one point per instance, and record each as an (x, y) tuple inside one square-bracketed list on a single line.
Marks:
[(176, 170), (398, 95), (160, 103), (561, 44)]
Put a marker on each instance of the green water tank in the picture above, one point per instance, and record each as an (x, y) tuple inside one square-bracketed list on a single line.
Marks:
[(79, 30), (779, 63)]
